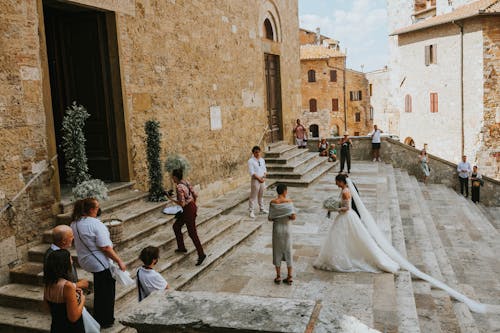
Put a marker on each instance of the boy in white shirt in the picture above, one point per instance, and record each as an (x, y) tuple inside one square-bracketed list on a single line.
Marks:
[(149, 280)]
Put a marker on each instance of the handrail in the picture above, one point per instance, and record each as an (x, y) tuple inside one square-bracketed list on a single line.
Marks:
[(10, 202), (266, 130)]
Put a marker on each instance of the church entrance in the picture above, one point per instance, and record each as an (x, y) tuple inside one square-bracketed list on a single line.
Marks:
[(273, 96), (82, 55)]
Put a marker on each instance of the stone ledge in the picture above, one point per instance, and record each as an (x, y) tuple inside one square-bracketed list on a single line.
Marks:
[(176, 311)]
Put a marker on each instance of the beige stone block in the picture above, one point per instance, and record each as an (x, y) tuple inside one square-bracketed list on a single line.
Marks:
[(8, 252), (141, 101), (30, 73)]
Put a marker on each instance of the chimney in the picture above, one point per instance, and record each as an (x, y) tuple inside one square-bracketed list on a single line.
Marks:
[(318, 36)]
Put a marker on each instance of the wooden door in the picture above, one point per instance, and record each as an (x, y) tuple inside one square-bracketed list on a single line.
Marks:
[(79, 69), (273, 92)]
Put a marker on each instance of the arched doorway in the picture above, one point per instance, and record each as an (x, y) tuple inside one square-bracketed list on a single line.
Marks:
[(335, 130), (409, 141), (314, 130)]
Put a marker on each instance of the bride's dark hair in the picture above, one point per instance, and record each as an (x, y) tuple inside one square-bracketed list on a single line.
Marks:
[(341, 178)]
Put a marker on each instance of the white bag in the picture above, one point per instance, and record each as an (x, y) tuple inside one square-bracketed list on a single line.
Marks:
[(90, 324), (172, 210), (119, 275)]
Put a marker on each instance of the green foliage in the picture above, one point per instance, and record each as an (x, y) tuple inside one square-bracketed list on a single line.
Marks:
[(73, 143), (175, 161), (153, 137), (93, 188)]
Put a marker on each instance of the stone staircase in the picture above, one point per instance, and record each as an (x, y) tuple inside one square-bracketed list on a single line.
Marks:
[(293, 166), (442, 233), (21, 306)]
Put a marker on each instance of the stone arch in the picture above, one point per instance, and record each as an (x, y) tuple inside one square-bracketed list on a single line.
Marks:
[(410, 142), (269, 18), (335, 130)]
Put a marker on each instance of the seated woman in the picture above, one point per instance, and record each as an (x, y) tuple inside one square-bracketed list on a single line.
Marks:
[(323, 147), (63, 298), (332, 153)]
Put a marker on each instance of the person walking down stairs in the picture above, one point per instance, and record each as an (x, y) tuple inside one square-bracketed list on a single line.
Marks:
[(257, 170)]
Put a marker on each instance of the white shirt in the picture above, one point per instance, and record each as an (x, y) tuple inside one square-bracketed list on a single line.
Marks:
[(257, 166), (95, 235), (150, 281), (376, 136), (464, 169)]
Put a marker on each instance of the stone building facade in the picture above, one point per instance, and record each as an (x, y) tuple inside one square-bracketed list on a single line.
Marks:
[(217, 78), (334, 98), (443, 83)]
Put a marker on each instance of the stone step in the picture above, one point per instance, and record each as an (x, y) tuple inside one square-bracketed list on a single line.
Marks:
[(302, 170), (288, 156), (31, 273), (492, 214), (137, 210), (279, 150), (406, 308), (66, 203), (292, 165), (309, 178), (115, 203)]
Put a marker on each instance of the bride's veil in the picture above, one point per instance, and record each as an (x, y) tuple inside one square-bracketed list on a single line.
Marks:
[(387, 247)]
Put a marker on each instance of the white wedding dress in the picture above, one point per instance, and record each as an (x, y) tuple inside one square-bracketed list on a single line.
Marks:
[(357, 244), (348, 246)]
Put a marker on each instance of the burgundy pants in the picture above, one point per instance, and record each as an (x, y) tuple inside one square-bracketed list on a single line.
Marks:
[(188, 217)]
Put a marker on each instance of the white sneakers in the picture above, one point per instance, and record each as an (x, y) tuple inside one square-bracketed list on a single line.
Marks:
[(252, 215), (377, 160), (374, 160), (262, 211)]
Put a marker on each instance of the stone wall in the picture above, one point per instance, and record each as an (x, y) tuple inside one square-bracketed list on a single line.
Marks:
[(405, 157), (488, 155), (177, 59)]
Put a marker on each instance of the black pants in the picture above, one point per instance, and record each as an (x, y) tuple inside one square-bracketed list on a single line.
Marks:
[(464, 184), (345, 156), (104, 298)]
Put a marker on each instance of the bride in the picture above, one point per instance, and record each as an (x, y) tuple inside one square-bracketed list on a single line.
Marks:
[(356, 244)]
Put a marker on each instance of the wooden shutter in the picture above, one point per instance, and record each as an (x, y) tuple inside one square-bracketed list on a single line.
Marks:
[(434, 102), (311, 76), (335, 104), (408, 103), (312, 105), (360, 97), (333, 75), (427, 55), (434, 58), (358, 117), (351, 95)]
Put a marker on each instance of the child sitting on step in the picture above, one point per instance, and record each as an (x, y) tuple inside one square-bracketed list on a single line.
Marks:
[(149, 280)]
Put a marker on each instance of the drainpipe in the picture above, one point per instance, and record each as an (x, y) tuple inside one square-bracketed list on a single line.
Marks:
[(461, 26), (345, 97)]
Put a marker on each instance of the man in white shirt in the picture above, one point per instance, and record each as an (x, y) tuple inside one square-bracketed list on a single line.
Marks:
[(376, 143), (464, 171), (257, 170)]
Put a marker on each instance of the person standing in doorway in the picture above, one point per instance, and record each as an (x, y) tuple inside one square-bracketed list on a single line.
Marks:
[(376, 143), (300, 133), (464, 171), (257, 170), (345, 152)]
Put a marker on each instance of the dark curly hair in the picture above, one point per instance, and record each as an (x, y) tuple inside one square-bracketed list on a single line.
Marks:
[(57, 266), (341, 178)]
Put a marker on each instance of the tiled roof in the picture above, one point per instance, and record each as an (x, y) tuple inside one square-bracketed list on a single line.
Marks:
[(309, 52), (480, 7)]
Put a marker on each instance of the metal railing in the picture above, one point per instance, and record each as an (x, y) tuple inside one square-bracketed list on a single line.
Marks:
[(266, 130), (10, 203)]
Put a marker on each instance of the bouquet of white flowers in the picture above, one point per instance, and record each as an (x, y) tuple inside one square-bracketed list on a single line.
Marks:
[(93, 188), (331, 204)]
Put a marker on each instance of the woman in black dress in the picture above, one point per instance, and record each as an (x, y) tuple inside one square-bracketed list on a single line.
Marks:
[(476, 181), (63, 298)]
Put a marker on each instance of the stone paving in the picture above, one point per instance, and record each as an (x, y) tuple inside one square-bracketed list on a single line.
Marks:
[(249, 270)]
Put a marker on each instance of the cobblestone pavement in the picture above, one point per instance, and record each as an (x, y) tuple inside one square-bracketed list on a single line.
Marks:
[(249, 269)]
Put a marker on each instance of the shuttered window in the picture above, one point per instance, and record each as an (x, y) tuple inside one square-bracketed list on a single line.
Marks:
[(311, 76), (358, 117), (430, 54), (434, 102), (313, 105), (333, 75), (408, 103), (335, 104), (355, 95)]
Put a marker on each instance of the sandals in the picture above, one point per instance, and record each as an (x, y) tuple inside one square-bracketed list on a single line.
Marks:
[(288, 280), (277, 280)]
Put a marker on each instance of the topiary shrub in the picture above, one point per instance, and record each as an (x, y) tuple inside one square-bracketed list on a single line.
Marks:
[(153, 137)]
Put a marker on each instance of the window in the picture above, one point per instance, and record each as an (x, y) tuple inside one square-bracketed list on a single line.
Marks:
[(370, 87), (358, 117), (371, 112), (333, 76), (355, 95), (311, 76), (268, 29), (314, 130), (335, 104), (313, 105), (408, 103), (356, 133), (430, 54), (434, 102)]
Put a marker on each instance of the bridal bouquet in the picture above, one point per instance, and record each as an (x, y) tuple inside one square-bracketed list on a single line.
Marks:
[(331, 204)]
